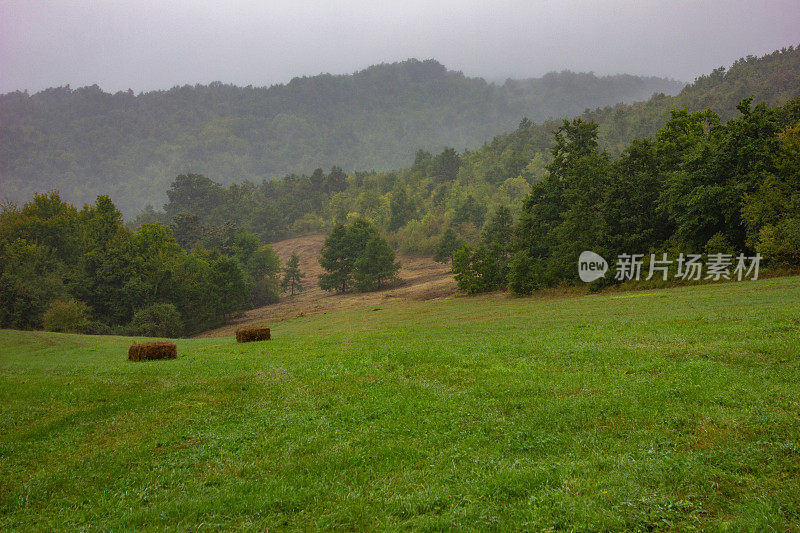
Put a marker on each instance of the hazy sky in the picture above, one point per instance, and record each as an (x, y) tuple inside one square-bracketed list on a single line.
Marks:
[(158, 44)]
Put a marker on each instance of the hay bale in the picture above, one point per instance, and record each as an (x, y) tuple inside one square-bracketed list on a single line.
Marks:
[(145, 351), (252, 334)]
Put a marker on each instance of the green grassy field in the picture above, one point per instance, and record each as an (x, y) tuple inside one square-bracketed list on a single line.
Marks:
[(666, 409)]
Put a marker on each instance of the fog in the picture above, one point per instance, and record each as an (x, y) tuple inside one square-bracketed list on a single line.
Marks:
[(147, 45)]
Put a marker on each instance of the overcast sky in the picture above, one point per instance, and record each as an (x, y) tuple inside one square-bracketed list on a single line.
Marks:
[(158, 44)]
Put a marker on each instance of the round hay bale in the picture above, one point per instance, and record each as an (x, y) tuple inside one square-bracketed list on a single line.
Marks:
[(252, 334), (146, 351)]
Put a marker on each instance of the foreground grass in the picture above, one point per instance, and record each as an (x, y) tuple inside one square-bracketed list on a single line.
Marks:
[(670, 409)]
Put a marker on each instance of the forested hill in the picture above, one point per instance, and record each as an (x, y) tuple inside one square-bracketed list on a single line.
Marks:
[(415, 206), (86, 142)]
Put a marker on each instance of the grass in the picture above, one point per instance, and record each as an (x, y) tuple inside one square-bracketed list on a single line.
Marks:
[(661, 410)]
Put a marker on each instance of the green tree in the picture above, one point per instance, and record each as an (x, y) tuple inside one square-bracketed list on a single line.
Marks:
[(292, 276), (499, 230), (263, 269), (337, 259), (448, 245), (470, 211), (401, 209), (478, 270), (229, 285), (444, 166), (375, 266), (187, 229), (30, 278)]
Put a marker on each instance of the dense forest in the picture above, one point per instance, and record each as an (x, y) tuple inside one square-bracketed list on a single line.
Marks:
[(700, 188), (86, 142)]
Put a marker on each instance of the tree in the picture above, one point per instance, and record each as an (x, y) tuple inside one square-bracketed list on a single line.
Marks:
[(292, 276), (470, 211), (445, 165), (561, 215), (193, 193), (337, 260), (263, 269), (187, 229), (375, 266), (401, 209), (448, 245), (229, 285), (497, 233)]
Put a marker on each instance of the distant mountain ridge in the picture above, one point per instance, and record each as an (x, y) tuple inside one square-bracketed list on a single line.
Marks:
[(86, 142)]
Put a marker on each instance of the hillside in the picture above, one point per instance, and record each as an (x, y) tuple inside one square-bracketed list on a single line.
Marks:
[(420, 278), (665, 410), (87, 142), (415, 204), (773, 79)]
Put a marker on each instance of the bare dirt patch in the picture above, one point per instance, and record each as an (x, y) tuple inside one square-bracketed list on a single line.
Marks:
[(421, 278)]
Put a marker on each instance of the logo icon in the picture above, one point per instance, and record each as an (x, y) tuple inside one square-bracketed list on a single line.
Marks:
[(591, 266)]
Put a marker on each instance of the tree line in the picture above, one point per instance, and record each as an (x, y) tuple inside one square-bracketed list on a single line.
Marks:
[(65, 269)]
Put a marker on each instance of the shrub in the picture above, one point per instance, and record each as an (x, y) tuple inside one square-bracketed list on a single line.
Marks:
[(157, 320), (780, 244), (479, 270), (96, 328), (65, 316)]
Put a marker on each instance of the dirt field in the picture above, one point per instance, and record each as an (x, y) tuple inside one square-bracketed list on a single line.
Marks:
[(421, 278)]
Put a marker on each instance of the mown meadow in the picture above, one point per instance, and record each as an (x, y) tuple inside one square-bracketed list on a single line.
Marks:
[(668, 409)]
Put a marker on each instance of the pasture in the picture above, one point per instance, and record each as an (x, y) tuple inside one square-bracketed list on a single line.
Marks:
[(663, 409)]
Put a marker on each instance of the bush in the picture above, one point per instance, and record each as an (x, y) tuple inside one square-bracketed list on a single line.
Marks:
[(157, 320), (780, 244), (523, 276), (479, 270), (96, 328), (65, 316)]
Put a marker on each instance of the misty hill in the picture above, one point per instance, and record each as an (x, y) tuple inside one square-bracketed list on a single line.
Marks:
[(87, 142), (773, 79), (415, 205)]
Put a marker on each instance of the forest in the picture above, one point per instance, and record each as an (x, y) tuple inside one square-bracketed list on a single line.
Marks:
[(129, 146), (698, 186)]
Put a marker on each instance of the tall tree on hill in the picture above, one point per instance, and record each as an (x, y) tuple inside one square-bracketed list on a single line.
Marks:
[(336, 259), (445, 165), (499, 230), (448, 245), (292, 276), (375, 266), (401, 209)]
